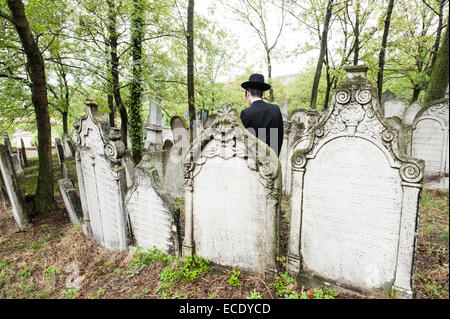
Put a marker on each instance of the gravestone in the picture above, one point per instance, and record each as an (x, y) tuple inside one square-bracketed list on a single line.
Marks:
[(59, 150), (16, 158), (174, 176), (167, 148), (355, 197), (394, 107), (23, 153), (153, 127), (71, 201), (429, 141), (232, 198), (3, 193), (386, 96), (410, 114), (101, 178), (298, 130), (7, 143), (68, 149), (129, 165), (153, 214), (284, 110), (13, 191)]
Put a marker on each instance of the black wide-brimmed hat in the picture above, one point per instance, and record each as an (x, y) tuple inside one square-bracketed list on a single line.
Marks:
[(256, 81)]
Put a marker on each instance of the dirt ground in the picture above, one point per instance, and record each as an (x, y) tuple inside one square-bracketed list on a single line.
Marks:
[(53, 259)]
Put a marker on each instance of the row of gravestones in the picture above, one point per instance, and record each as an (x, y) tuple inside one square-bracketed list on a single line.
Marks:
[(354, 206)]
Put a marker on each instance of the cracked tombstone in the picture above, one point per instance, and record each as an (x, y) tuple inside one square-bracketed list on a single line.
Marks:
[(153, 214), (232, 198), (101, 178), (429, 141), (12, 188), (355, 197)]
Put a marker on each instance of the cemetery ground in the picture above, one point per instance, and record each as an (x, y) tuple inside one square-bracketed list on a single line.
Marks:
[(38, 262)]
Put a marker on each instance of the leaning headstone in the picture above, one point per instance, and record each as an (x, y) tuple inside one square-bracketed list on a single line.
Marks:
[(429, 141), (12, 188), (355, 197), (298, 131), (3, 192), (59, 150), (174, 176), (16, 158), (232, 199), (101, 178), (154, 215), (7, 143), (68, 149), (71, 201), (394, 107), (23, 153), (129, 165)]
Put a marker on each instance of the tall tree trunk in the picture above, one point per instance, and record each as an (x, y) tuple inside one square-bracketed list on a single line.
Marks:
[(190, 67), (356, 52), (323, 48), (44, 197), (111, 110), (135, 105), (416, 93), (65, 121), (438, 37), (269, 74), (381, 59), (113, 44), (439, 76)]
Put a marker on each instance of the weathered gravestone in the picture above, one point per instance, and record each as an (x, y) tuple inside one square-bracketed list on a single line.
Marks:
[(68, 149), (154, 128), (101, 178), (355, 197), (232, 199), (410, 114), (173, 175), (429, 141), (15, 155), (13, 191), (71, 201), (153, 214), (3, 193), (59, 153), (298, 130), (386, 96), (23, 153), (394, 107)]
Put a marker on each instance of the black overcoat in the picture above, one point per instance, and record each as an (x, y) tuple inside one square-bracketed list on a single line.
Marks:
[(259, 117)]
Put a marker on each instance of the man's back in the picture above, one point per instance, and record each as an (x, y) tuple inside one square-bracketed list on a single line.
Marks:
[(259, 118)]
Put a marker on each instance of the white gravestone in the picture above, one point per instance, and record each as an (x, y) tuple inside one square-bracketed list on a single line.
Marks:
[(394, 107), (410, 114), (153, 214), (298, 131), (173, 175), (232, 199), (154, 128), (12, 188), (67, 146), (355, 197), (429, 141), (396, 124), (101, 178)]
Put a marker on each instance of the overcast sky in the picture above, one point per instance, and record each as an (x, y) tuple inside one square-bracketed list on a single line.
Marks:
[(249, 41)]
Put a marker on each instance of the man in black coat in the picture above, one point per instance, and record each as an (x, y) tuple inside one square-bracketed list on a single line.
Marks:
[(262, 119)]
